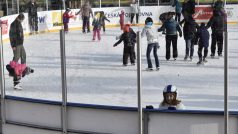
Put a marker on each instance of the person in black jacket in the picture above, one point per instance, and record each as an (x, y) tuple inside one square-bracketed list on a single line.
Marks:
[(16, 36), (32, 16), (217, 24), (129, 38), (203, 37), (189, 34)]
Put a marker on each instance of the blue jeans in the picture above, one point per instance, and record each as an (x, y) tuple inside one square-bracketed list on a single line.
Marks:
[(153, 46), (189, 47)]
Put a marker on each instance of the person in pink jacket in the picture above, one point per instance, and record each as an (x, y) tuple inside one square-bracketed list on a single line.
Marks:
[(122, 18)]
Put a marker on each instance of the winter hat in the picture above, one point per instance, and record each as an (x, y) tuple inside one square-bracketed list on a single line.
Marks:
[(170, 89), (126, 28), (67, 9), (21, 16), (148, 20), (202, 24)]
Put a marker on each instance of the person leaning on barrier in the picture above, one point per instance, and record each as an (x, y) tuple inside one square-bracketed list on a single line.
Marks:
[(170, 101)]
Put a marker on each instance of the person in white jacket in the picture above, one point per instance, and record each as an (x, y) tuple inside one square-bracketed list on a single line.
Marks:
[(152, 43), (170, 101), (135, 10)]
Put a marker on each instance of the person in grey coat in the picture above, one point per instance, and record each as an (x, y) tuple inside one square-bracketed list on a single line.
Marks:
[(171, 28), (152, 43)]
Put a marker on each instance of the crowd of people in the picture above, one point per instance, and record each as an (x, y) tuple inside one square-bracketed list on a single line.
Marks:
[(193, 33)]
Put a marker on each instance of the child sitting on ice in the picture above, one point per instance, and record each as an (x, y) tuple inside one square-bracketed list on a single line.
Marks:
[(170, 101), (96, 26), (129, 38)]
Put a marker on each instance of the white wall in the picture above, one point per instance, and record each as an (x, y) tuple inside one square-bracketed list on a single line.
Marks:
[(116, 120)]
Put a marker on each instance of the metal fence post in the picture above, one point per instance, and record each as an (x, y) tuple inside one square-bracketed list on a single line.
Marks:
[(64, 83), (226, 88), (139, 83), (2, 83)]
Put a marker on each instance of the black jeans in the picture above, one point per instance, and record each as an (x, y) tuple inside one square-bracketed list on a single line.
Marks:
[(171, 39), (177, 17), (33, 22), (217, 39), (128, 51), (86, 22), (200, 48), (132, 17), (153, 46)]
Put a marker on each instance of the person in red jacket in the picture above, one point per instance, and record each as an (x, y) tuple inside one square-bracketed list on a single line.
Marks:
[(66, 17)]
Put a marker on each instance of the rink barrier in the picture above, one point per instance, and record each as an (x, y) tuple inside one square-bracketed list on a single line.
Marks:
[(33, 116)]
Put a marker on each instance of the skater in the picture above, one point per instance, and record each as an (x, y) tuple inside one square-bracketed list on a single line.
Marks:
[(135, 10), (102, 20), (122, 18), (16, 36), (217, 24), (32, 16), (189, 34), (129, 38), (66, 18), (188, 8), (96, 26), (170, 101), (171, 27), (85, 11), (178, 10), (152, 43), (203, 37)]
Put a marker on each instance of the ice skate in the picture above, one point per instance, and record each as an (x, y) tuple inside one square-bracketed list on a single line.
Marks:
[(149, 69), (18, 87)]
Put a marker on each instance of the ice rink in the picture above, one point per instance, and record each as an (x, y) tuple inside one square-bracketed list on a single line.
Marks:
[(95, 74)]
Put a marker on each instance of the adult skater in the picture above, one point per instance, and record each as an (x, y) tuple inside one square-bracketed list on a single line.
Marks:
[(152, 43), (189, 34), (170, 100), (171, 27), (178, 10), (135, 10), (32, 16), (217, 23), (16, 36)]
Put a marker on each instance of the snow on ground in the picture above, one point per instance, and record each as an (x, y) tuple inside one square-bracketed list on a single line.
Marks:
[(95, 73)]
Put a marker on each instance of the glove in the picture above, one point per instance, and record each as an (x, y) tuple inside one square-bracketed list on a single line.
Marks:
[(114, 45)]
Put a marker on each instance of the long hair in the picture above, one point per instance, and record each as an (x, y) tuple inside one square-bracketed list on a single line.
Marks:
[(174, 102)]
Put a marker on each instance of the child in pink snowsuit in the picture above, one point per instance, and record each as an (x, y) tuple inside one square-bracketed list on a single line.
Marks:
[(122, 18), (96, 26)]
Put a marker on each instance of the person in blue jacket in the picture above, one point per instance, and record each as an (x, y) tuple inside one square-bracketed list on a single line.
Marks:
[(203, 36), (178, 10), (171, 28)]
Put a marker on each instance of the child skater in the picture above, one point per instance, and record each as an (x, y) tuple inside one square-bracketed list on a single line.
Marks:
[(102, 20), (96, 26), (152, 43), (129, 39), (122, 18), (203, 36), (66, 18), (170, 101)]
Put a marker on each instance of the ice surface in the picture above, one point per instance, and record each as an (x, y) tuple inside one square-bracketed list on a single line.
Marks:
[(95, 73)]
